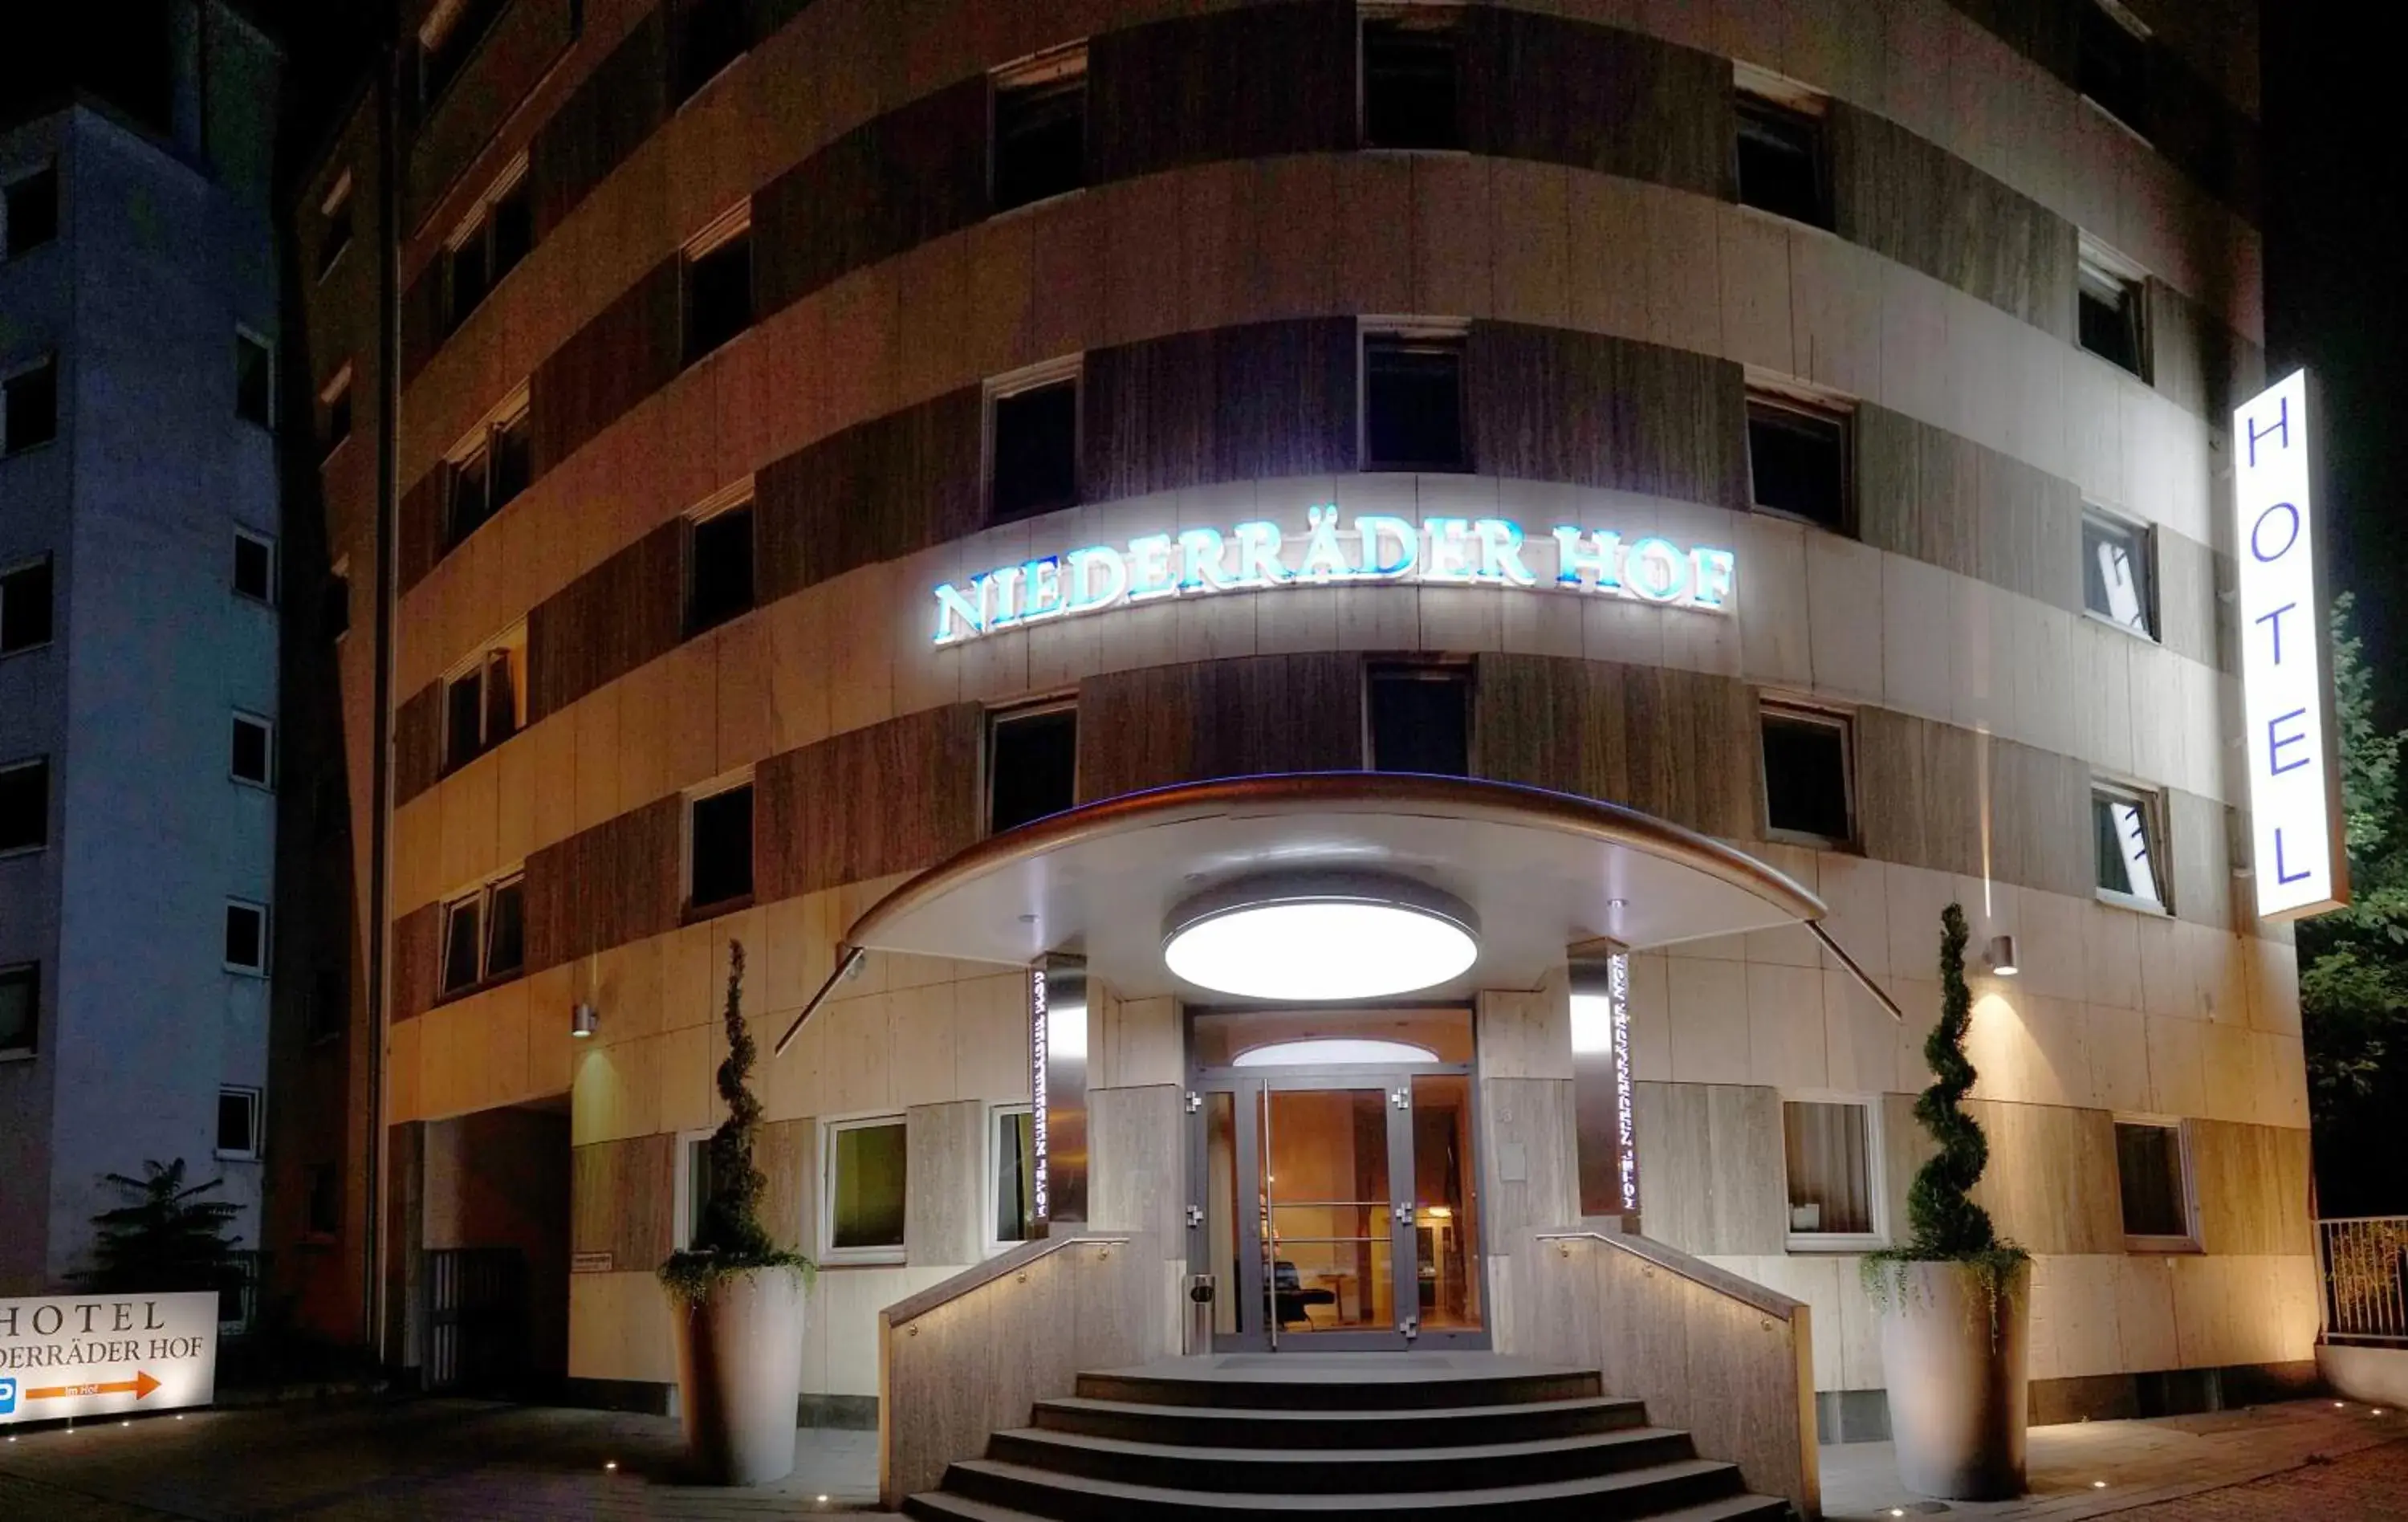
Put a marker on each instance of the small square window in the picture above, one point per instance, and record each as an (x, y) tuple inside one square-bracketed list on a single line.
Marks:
[(21, 1007), (1412, 404), (1036, 450), (24, 805), (25, 607), (254, 380), (720, 844), (1411, 94), (867, 1186), (1807, 776), (237, 1123), (1032, 765), (484, 935), (335, 412), (2116, 584), (29, 212), (246, 938), (324, 1187), (2127, 834), (1421, 718), (718, 569), (710, 34), (2111, 325), (335, 223), (1014, 1217), (253, 751), (1830, 1152), (1040, 131), (718, 293), (254, 567), (2153, 1177), (29, 407), (2112, 61), (483, 703), (1798, 462), (1781, 162)]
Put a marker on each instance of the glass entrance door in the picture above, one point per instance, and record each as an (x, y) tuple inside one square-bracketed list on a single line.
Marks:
[(1331, 1215)]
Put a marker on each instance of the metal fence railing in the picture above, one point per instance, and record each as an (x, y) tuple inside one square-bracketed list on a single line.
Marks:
[(2364, 1261)]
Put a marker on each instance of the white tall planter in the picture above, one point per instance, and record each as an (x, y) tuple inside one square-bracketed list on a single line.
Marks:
[(1957, 1379), (740, 1352)]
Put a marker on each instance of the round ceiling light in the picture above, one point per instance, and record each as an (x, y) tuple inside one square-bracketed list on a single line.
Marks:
[(1316, 940)]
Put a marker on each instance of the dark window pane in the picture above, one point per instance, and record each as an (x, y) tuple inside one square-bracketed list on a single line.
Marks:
[(334, 606), (338, 417), (501, 697), (514, 229), (21, 1003), (1413, 405), (866, 1209), (325, 1200), (470, 501), (723, 846), (468, 279), (699, 1182), (2110, 313), (255, 388), (1806, 777), (1781, 162), (1799, 464), (330, 1008), (513, 458), (719, 581), (463, 726), (2113, 68), (1409, 85), (1421, 722), (2148, 1166), (29, 407), (236, 1115), (718, 296), (254, 569), (711, 34), (26, 807), (1015, 1177), (246, 937), (250, 751), (463, 929), (506, 936), (1040, 141), (25, 606), (32, 212), (1036, 451), (2115, 572), (1032, 767)]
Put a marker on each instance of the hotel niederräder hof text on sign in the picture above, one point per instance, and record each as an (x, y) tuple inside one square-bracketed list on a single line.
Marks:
[(1368, 549), (82, 1355)]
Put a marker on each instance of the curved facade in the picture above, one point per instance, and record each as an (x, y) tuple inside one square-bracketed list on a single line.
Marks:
[(1804, 428)]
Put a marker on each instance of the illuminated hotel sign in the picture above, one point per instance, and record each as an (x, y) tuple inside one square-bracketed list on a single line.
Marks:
[(2291, 738), (68, 1355), (1371, 549)]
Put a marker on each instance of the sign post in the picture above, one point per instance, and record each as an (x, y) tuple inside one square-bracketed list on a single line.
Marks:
[(83, 1355)]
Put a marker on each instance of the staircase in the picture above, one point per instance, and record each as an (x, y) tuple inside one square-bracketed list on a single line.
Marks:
[(1439, 1434)]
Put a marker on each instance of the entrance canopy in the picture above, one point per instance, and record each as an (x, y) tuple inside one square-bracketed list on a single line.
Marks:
[(1539, 870)]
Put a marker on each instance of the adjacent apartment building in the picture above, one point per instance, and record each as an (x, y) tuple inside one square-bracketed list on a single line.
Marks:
[(776, 449), (140, 578)]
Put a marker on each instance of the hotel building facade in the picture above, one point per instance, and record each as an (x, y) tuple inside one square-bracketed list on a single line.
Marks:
[(792, 447)]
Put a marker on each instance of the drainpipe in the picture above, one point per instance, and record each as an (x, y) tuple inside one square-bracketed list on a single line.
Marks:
[(378, 979)]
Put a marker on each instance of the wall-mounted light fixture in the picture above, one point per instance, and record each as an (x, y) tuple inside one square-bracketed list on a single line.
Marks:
[(583, 1021), (2002, 955)]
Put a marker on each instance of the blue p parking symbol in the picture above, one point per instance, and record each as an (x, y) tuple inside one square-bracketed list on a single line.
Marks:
[(8, 1396)]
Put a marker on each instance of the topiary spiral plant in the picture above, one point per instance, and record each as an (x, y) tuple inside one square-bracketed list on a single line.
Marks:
[(729, 1238), (1946, 1226)]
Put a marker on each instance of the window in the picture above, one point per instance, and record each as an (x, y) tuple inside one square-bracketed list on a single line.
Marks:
[(694, 1186), (1410, 98), (450, 33), (1809, 776), (21, 1008), (1032, 762), (720, 848), (2153, 1176), (1040, 128), (490, 469), (718, 288), (24, 805), (29, 405), (1413, 402), (719, 568), (2126, 831), (484, 702), (2116, 584), (488, 244), (29, 212), (1830, 1146), (254, 753), (1797, 460), (864, 1190), (2110, 322), (324, 1190), (335, 223), (237, 1123), (1421, 718), (710, 34), (254, 567), (1013, 1217), (254, 380), (335, 602), (246, 937), (25, 606), (1034, 429), (484, 934), (335, 411), (2111, 62), (1781, 160)]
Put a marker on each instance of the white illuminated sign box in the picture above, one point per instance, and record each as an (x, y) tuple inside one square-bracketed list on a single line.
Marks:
[(86, 1356), (2289, 740), (1371, 549)]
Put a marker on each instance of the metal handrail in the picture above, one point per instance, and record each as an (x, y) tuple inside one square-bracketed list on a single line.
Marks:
[(2362, 1274), (1705, 1275), (978, 1275)]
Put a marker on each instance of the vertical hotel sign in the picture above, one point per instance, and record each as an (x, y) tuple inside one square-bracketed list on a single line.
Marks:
[(2291, 742)]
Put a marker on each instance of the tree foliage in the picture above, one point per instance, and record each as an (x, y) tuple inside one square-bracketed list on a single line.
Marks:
[(165, 1238)]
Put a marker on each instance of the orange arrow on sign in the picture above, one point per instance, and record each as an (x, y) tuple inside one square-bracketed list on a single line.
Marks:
[(138, 1386)]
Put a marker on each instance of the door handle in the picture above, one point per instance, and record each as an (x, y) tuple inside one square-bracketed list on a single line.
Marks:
[(1194, 1215), (1404, 1215)]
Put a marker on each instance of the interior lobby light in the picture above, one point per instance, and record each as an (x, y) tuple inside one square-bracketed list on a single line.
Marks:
[(1319, 939)]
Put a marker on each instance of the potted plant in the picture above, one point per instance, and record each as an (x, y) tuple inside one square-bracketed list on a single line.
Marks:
[(1955, 1298), (737, 1296)]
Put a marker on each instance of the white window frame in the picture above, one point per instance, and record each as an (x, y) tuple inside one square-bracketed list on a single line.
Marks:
[(997, 718), (481, 894), (240, 717), (267, 941), (485, 438), (1771, 706), (258, 1148), (2152, 803), (2139, 29), (2106, 265), (1876, 1191), (831, 1255), (1773, 393), (682, 1191), (266, 542), (477, 223), (994, 1194), (26, 565), (1071, 367), (245, 332), (1408, 329), (722, 230), (27, 763), (512, 642), (1794, 98), (2185, 1158), (1051, 66), (2144, 536), (47, 358)]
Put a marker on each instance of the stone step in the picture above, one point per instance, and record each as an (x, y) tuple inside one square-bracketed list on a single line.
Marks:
[(1229, 1427), (1273, 1388), (939, 1506), (1302, 1469)]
